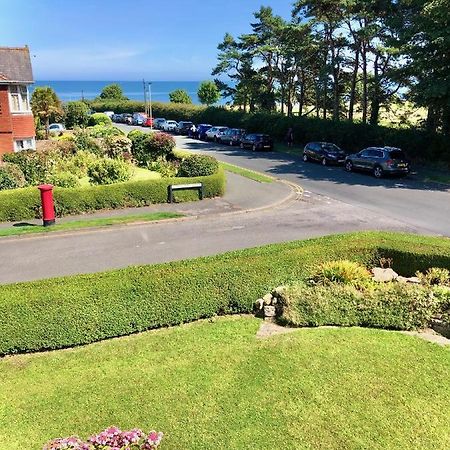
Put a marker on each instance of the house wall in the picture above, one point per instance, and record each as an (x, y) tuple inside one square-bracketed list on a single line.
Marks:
[(12, 126)]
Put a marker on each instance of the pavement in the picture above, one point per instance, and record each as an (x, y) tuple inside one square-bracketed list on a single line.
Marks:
[(250, 214)]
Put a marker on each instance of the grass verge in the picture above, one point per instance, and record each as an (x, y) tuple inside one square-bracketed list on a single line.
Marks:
[(251, 174), (86, 223), (214, 385)]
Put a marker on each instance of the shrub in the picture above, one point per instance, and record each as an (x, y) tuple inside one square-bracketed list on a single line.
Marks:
[(11, 176), (148, 147), (109, 171), (64, 180), (386, 305), (84, 141), (118, 147), (344, 271), (167, 169), (435, 276), (34, 165), (62, 312), (99, 119), (110, 439), (197, 166), (23, 204), (77, 114), (104, 131)]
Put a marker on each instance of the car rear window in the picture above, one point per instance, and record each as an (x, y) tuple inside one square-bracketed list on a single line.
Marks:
[(331, 148), (397, 154)]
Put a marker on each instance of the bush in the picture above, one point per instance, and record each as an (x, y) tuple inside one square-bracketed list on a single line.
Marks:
[(77, 114), (435, 276), (85, 142), (34, 165), (345, 272), (149, 147), (167, 169), (104, 131), (386, 305), (198, 165), (11, 176), (99, 119), (109, 171), (23, 204), (118, 147), (63, 312), (64, 180)]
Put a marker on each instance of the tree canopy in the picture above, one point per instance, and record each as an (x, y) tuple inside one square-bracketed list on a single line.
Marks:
[(112, 92), (180, 96), (46, 105), (208, 93)]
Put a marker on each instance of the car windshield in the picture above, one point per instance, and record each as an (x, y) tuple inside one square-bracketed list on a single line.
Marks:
[(397, 154), (331, 148)]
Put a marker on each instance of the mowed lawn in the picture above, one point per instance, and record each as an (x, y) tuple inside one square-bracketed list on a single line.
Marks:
[(213, 385)]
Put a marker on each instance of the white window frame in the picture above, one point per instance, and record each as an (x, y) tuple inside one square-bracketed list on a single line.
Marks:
[(16, 89), (24, 144)]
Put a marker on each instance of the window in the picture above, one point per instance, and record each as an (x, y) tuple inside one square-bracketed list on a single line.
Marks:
[(20, 101), (24, 144)]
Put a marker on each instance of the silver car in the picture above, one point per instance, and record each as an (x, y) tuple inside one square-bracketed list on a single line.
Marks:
[(213, 133)]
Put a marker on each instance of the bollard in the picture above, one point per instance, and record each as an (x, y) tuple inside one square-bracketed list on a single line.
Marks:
[(48, 208)]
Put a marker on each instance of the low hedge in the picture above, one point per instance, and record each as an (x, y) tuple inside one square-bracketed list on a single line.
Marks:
[(351, 136), (391, 306), (23, 204), (74, 310)]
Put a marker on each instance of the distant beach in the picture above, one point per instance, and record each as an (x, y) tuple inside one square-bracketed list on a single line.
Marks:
[(75, 90)]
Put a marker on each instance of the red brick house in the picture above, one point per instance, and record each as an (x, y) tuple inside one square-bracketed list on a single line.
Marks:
[(16, 119)]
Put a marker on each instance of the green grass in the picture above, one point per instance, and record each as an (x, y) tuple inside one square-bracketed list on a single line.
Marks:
[(212, 385), (87, 223), (251, 174)]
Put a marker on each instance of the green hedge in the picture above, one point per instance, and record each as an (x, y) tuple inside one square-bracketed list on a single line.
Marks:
[(391, 306), (80, 309), (23, 204), (419, 145)]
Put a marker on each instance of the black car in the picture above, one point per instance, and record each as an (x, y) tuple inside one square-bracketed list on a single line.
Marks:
[(324, 152), (232, 136), (184, 128), (201, 131), (380, 161), (257, 142)]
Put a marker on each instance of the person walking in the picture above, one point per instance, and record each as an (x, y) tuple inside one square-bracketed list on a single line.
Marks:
[(290, 137)]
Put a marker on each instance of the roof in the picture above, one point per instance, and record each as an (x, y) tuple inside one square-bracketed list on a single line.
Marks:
[(15, 65)]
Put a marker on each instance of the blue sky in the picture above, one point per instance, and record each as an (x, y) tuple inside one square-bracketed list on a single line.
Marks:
[(174, 40)]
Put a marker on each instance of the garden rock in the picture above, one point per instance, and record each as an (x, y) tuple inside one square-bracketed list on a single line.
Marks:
[(384, 275), (269, 312), (401, 279), (259, 304), (267, 299)]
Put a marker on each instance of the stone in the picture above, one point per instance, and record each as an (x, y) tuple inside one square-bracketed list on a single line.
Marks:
[(384, 275), (274, 300), (267, 299), (259, 304), (279, 291), (269, 311), (405, 280)]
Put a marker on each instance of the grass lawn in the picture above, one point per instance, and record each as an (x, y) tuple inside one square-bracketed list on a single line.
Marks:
[(212, 384), (251, 174), (87, 223)]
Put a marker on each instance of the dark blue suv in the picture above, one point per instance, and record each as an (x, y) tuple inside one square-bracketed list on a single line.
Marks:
[(201, 130)]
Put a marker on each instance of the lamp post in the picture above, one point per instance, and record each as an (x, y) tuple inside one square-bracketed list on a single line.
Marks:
[(150, 104)]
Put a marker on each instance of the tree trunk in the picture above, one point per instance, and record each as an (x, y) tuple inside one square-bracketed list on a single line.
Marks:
[(364, 78), (351, 106), (47, 124), (431, 119), (376, 100)]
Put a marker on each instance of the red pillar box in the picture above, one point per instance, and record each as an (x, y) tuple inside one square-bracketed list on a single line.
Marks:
[(48, 208)]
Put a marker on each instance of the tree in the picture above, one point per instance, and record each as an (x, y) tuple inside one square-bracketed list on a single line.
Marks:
[(208, 93), (77, 114), (180, 96), (112, 92), (45, 104)]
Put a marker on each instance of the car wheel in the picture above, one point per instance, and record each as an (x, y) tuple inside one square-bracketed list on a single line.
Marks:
[(254, 147), (377, 172), (324, 161), (305, 157), (348, 166)]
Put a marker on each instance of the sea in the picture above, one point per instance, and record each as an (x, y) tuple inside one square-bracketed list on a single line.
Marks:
[(134, 90)]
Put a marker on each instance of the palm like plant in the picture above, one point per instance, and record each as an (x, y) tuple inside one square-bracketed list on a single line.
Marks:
[(46, 104)]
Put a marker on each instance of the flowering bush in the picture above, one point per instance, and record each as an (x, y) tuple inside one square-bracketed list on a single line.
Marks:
[(110, 439)]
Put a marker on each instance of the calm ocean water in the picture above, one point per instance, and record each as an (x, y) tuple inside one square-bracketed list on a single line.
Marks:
[(74, 90)]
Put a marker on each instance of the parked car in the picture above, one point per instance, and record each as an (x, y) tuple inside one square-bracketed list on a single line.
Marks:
[(158, 122), (184, 127), (109, 114), (148, 122), (116, 118), (169, 125), (56, 128), (127, 118), (138, 118), (202, 129), (379, 160), (213, 133), (325, 152), (232, 136), (257, 142)]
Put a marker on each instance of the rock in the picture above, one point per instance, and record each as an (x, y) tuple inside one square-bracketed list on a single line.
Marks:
[(267, 299), (269, 311), (414, 280), (274, 300), (279, 291), (384, 275), (259, 304)]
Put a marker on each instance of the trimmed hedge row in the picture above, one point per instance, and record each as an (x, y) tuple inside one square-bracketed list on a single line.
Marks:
[(23, 204), (81, 309), (418, 144)]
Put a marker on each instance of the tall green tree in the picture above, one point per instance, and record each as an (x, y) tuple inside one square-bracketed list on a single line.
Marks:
[(208, 93), (46, 105), (180, 96), (77, 114), (112, 92)]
